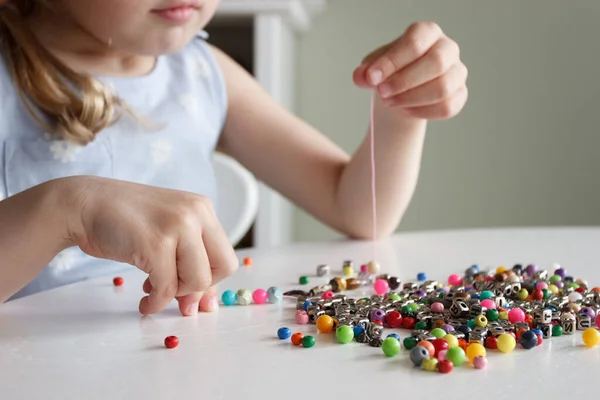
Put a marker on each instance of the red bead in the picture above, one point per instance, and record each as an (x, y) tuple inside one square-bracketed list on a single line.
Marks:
[(408, 323), (540, 339), (393, 319), (519, 333), (580, 290), (529, 320), (445, 366), (297, 338), (491, 343), (538, 294), (171, 342), (439, 345), (118, 281)]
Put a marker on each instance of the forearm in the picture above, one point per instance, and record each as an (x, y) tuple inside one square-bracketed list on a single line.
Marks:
[(32, 232), (398, 149)]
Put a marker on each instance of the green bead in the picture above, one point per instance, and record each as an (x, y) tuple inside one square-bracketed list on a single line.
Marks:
[(414, 307), (390, 346), (409, 343), (456, 355), (486, 294), (394, 296), (557, 330), (555, 278), (344, 334), (492, 315), (573, 286), (471, 323), (308, 341), (522, 294), (547, 293), (421, 325), (438, 333), (303, 280), (406, 310)]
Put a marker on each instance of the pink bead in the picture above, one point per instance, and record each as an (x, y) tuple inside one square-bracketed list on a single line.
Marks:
[(363, 268), (516, 315), (437, 308), (381, 286), (489, 304), (541, 286), (441, 355), (260, 296), (454, 280), (598, 321), (301, 317), (328, 295), (480, 362)]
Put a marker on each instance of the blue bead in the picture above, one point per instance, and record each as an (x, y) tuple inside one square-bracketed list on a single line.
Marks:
[(394, 335), (475, 296), (358, 330), (537, 331), (305, 305), (421, 276), (284, 333), (275, 295), (528, 340), (229, 297)]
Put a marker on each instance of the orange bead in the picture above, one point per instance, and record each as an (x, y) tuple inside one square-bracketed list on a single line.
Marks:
[(325, 324), (438, 323), (596, 289), (248, 261), (297, 338), (427, 345), (462, 343), (520, 332)]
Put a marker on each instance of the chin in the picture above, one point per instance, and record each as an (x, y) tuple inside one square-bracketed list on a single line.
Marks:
[(170, 43)]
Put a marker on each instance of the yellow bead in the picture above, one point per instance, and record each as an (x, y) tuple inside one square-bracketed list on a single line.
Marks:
[(451, 340), (574, 307), (506, 343), (503, 315), (373, 268), (591, 337), (430, 364), (348, 270), (474, 350), (553, 289), (500, 270), (522, 294), (481, 321)]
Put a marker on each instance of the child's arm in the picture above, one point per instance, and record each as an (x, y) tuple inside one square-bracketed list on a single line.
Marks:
[(309, 169)]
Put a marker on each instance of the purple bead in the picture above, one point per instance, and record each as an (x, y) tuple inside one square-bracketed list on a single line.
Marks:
[(531, 269), (559, 284), (589, 311), (560, 272), (447, 328), (420, 293), (377, 315)]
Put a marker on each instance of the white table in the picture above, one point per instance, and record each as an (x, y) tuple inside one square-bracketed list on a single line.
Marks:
[(88, 340)]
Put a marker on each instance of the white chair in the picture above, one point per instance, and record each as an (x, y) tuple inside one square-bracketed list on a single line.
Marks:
[(237, 192)]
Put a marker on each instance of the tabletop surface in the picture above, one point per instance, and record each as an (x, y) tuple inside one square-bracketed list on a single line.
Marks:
[(88, 340)]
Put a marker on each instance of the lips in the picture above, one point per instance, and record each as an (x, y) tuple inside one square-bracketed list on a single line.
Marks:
[(180, 12)]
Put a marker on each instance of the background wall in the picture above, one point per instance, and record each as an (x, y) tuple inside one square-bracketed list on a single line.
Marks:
[(526, 148)]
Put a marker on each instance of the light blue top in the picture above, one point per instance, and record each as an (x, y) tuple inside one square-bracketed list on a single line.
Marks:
[(185, 93)]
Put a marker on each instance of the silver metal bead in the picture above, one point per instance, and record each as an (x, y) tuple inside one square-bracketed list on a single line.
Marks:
[(500, 301), (583, 322), (546, 330), (323, 270), (458, 308), (543, 316)]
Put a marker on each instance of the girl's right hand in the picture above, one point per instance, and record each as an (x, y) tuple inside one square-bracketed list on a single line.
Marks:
[(173, 236)]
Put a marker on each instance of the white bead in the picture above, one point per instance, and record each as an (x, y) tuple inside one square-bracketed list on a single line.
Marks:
[(373, 267)]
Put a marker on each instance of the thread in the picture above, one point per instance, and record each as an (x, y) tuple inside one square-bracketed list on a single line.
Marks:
[(373, 195)]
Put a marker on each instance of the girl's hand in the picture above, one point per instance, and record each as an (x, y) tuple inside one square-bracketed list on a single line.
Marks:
[(420, 74), (173, 236)]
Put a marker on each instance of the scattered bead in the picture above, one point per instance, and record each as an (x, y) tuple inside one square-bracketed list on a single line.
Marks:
[(301, 317), (394, 335), (275, 295), (437, 307), (421, 276), (528, 340), (557, 330), (171, 342), (418, 354), (344, 334), (591, 337), (284, 333), (308, 341), (303, 280), (475, 350), (516, 315), (229, 297), (297, 338), (248, 261), (439, 345), (480, 362), (445, 366), (506, 343), (427, 345), (328, 295), (323, 270), (244, 297), (456, 355), (348, 270), (409, 343), (451, 340), (438, 333), (381, 286), (393, 319), (442, 355), (373, 268), (260, 296), (325, 324), (390, 346), (430, 364), (118, 281), (454, 280)]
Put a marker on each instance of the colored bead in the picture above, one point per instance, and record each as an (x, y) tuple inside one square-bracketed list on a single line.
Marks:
[(437, 307), (260, 296), (394, 283), (297, 338), (598, 321), (373, 268), (381, 286), (363, 269), (451, 340), (492, 315), (348, 270), (393, 319), (390, 346), (442, 355), (454, 280), (344, 334), (418, 354), (503, 315), (428, 346), (491, 342), (323, 270), (447, 328), (421, 325), (430, 364), (394, 335), (118, 281), (506, 343), (486, 294), (475, 350), (248, 261), (480, 362), (591, 337), (489, 304), (328, 295), (516, 315), (445, 366), (522, 294), (439, 345), (438, 333), (171, 342), (275, 295), (305, 305), (284, 333), (229, 297), (325, 324), (394, 296), (537, 295), (481, 321), (421, 277), (409, 343), (540, 339), (308, 341), (377, 315), (303, 280), (408, 323), (244, 297), (301, 317), (456, 355), (528, 340)]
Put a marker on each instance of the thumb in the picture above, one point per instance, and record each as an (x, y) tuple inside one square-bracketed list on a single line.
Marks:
[(209, 301)]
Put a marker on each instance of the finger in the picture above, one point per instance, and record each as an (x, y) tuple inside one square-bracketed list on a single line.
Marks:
[(147, 286), (412, 45), (189, 304), (444, 110), (437, 62), (163, 279), (209, 302), (359, 75), (193, 267), (221, 255), (432, 92)]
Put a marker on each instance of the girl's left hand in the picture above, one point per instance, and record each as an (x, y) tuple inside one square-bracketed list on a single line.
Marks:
[(420, 74)]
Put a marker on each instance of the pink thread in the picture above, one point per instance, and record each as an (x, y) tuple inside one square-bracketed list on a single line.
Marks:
[(373, 197)]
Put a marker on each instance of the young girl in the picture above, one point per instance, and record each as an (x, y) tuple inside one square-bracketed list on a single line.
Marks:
[(110, 111)]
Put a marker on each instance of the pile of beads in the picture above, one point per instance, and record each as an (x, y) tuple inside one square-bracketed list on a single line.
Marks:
[(244, 297), (297, 339), (458, 321)]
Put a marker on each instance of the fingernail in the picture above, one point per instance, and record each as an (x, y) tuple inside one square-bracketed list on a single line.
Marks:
[(375, 76), (192, 309), (213, 304)]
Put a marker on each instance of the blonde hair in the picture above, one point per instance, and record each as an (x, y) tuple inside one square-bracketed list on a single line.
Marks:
[(68, 104)]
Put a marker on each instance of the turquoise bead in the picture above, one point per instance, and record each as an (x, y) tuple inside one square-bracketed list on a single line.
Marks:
[(229, 297)]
